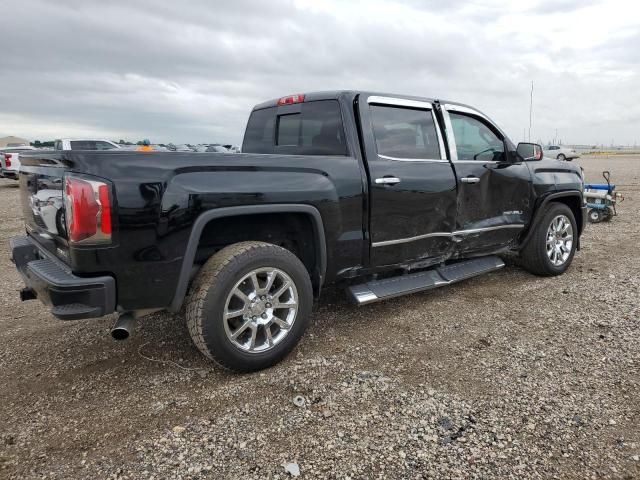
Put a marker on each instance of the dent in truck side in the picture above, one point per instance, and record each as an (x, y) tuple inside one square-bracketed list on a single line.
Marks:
[(494, 186), (432, 203)]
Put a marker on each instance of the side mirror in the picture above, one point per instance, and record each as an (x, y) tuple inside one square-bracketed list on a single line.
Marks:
[(529, 151)]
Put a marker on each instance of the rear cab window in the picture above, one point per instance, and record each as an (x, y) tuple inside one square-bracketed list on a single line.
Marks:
[(308, 128), (90, 145)]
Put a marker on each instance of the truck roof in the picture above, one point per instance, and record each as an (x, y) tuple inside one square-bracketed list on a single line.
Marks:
[(337, 94), (350, 95)]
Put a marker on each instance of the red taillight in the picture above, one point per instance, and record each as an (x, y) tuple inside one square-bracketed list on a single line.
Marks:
[(105, 214), (87, 210), (7, 160), (291, 99)]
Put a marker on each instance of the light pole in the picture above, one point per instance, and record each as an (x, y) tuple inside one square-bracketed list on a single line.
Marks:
[(530, 110)]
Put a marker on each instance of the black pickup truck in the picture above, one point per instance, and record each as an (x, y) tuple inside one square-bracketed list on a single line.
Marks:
[(382, 194)]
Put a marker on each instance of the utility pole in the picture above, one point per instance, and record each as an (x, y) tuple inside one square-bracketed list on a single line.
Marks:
[(530, 110)]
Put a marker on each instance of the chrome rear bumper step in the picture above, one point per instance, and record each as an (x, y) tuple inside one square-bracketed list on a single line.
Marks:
[(376, 290)]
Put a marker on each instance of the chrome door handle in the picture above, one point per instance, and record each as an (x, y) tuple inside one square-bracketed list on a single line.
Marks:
[(469, 179), (387, 180)]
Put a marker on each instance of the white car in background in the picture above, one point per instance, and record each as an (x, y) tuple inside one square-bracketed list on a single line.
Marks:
[(84, 144), (10, 160), (559, 152)]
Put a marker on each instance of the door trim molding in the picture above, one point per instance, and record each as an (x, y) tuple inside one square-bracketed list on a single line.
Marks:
[(444, 234), (400, 102), (423, 160)]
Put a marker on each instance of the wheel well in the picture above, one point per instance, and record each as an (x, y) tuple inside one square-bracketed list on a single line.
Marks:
[(573, 202), (293, 231)]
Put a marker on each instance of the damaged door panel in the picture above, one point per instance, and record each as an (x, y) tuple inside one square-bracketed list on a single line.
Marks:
[(493, 186)]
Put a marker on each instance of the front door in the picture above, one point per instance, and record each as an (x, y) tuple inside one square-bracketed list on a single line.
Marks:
[(412, 186), (493, 185)]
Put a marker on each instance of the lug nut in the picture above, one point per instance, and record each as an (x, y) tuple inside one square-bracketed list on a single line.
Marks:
[(264, 315), (268, 305), (254, 318)]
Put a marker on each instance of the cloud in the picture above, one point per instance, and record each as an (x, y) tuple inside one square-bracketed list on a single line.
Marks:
[(191, 72)]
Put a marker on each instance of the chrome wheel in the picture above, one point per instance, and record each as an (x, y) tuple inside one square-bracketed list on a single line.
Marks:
[(260, 310), (559, 240)]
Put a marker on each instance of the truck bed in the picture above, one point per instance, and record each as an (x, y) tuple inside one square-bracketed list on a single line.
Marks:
[(158, 197)]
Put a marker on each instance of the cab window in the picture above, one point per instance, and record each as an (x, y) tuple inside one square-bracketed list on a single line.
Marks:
[(475, 140), (405, 133)]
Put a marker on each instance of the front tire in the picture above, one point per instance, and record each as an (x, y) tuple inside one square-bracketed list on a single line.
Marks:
[(553, 242), (561, 157), (249, 305)]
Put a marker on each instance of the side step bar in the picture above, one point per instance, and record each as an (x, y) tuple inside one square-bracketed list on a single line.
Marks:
[(377, 290)]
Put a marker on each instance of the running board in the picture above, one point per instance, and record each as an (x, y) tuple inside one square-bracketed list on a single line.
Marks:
[(377, 290)]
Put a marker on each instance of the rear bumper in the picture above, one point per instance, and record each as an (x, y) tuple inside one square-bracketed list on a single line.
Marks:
[(10, 174), (68, 296)]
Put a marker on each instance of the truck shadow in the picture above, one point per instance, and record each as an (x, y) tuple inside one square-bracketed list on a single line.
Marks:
[(336, 326), (161, 345)]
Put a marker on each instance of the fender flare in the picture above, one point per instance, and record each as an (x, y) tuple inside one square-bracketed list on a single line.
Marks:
[(539, 212), (204, 218)]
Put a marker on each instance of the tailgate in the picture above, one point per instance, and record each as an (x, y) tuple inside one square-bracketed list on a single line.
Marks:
[(42, 203)]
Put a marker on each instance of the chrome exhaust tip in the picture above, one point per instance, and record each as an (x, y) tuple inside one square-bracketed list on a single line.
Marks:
[(123, 327)]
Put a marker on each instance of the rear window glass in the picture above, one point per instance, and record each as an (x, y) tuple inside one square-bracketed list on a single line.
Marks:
[(90, 145), (316, 130), (289, 129), (405, 133)]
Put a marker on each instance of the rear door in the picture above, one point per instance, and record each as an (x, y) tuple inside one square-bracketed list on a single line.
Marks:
[(494, 187), (412, 185)]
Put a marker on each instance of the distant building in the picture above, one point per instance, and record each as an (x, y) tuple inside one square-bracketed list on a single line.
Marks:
[(4, 141)]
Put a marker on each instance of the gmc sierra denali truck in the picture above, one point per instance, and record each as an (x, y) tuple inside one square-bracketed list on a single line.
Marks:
[(382, 194)]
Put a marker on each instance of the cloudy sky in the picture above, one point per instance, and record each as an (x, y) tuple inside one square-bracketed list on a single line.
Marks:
[(190, 71)]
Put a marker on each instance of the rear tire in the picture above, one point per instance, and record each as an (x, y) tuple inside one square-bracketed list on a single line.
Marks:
[(550, 250), (234, 313)]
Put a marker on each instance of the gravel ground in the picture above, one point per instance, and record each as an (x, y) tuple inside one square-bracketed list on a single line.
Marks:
[(502, 376)]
